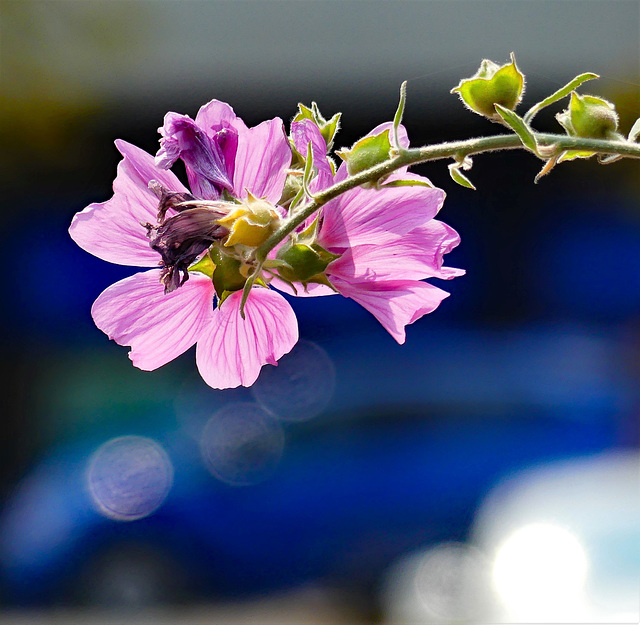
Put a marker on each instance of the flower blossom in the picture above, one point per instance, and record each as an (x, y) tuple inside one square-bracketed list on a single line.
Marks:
[(154, 220), (386, 240)]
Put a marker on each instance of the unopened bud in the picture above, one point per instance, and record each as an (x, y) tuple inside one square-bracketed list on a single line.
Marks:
[(304, 261), (251, 223), (367, 152), (589, 117), (492, 84)]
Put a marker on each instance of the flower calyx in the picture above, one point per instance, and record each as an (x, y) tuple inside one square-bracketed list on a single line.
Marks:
[(367, 152), (229, 273), (588, 117), (303, 260), (492, 84), (251, 223), (328, 128)]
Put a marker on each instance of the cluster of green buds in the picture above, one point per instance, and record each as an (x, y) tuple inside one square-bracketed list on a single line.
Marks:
[(496, 90), (229, 261)]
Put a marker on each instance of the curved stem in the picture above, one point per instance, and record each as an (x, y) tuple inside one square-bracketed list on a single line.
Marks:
[(453, 149)]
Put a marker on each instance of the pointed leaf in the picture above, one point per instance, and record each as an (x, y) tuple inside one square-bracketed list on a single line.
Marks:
[(397, 119), (517, 124), (558, 95), (634, 133), (459, 177), (407, 183)]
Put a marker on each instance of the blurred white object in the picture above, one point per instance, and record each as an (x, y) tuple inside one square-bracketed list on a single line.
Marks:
[(447, 583), (564, 540)]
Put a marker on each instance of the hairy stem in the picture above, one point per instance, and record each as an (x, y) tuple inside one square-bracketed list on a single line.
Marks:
[(455, 149)]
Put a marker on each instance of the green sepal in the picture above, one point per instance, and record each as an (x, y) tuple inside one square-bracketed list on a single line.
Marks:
[(205, 265), (634, 133), (571, 155), (517, 124), (397, 118), (321, 278), (328, 128), (309, 171), (226, 275), (408, 183), (558, 95), (367, 152), (304, 261), (223, 296), (459, 177), (492, 84)]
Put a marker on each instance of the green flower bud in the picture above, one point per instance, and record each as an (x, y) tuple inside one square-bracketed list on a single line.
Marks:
[(492, 84), (328, 128), (251, 223), (589, 117), (227, 275), (304, 261), (367, 152)]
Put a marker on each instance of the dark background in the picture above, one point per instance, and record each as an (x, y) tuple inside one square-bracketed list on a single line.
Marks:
[(533, 358)]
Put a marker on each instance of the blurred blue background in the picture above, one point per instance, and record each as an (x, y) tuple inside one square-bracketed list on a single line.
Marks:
[(329, 490)]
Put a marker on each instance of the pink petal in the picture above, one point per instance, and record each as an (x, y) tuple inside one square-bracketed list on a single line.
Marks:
[(158, 327), (262, 160), (414, 256), (395, 304), (304, 133), (232, 350), (215, 114), (112, 230), (369, 216)]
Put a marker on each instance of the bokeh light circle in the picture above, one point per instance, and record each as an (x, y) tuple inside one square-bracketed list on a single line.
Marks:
[(242, 444), (300, 387), (129, 477)]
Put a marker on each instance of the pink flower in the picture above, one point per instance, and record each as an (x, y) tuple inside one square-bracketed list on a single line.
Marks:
[(387, 239), (163, 312)]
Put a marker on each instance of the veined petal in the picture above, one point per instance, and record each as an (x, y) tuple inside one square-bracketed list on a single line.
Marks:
[(158, 327), (303, 133), (369, 216), (232, 350), (414, 256), (395, 304), (215, 115), (262, 160), (112, 230)]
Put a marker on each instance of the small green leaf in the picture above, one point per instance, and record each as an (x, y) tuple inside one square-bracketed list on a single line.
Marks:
[(459, 177), (517, 124), (558, 95), (309, 171), (408, 183), (571, 155), (634, 133), (397, 119), (204, 265)]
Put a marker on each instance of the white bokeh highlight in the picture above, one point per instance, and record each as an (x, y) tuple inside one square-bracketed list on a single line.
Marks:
[(300, 387), (242, 444), (129, 478)]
